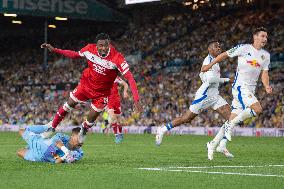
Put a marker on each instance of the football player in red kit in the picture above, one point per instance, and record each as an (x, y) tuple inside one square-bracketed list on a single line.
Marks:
[(104, 64), (114, 108)]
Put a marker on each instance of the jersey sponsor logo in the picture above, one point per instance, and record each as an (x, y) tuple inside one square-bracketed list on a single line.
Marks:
[(99, 69), (253, 63)]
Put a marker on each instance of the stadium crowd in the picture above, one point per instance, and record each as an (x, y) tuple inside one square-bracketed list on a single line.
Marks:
[(29, 93)]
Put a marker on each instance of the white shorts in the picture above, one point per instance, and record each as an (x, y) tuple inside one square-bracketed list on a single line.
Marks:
[(242, 98), (205, 102)]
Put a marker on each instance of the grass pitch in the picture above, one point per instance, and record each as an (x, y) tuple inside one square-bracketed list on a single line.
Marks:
[(181, 162)]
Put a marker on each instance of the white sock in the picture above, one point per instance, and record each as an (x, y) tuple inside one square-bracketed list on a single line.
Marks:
[(164, 129), (223, 143), (246, 113), (218, 137), (167, 127)]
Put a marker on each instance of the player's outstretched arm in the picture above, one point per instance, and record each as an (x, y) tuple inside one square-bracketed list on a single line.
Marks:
[(265, 81), (218, 59), (66, 53), (133, 86), (125, 89)]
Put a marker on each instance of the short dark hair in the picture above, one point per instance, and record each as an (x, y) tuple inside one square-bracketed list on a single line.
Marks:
[(212, 42), (76, 130), (259, 29), (102, 36)]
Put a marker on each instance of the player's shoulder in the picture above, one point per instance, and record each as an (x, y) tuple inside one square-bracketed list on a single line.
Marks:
[(265, 52), (208, 59), (238, 48), (89, 46), (243, 45), (118, 57)]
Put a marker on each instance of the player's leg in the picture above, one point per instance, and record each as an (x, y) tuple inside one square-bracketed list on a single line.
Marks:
[(200, 102), (121, 135), (220, 138), (251, 108), (187, 117), (37, 129), (251, 111), (21, 132), (113, 121), (22, 152), (221, 106), (63, 111), (33, 152), (76, 96), (97, 107), (114, 111)]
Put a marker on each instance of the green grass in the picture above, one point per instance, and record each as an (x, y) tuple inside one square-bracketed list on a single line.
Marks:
[(107, 165)]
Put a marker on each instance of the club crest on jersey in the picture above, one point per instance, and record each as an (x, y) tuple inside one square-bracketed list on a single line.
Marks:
[(254, 63), (262, 57)]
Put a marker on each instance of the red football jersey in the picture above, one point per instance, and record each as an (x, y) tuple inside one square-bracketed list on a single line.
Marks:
[(102, 72)]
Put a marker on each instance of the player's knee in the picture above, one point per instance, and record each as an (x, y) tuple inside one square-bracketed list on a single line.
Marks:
[(258, 110), (92, 116), (112, 119), (187, 117), (90, 119), (227, 116), (71, 103), (20, 153)]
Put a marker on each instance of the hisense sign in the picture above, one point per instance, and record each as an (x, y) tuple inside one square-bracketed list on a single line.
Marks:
[(54, 6), (83, 9)]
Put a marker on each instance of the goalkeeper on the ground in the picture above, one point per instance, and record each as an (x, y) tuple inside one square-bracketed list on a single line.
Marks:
[(61, 148)]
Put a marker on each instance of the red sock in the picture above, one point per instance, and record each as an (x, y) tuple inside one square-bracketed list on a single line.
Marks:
[(114, 128), (59, 116), (119, 128)]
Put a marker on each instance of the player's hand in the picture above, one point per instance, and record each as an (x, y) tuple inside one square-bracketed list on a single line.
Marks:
[(69, 159), (268, 89), (48, 46), (137, 107), (232, 79), (125, 94), (66, 154)]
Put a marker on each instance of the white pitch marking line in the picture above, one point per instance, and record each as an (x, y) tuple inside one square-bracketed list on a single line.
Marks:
[(227, 166), (208, 172), (229, 173)]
